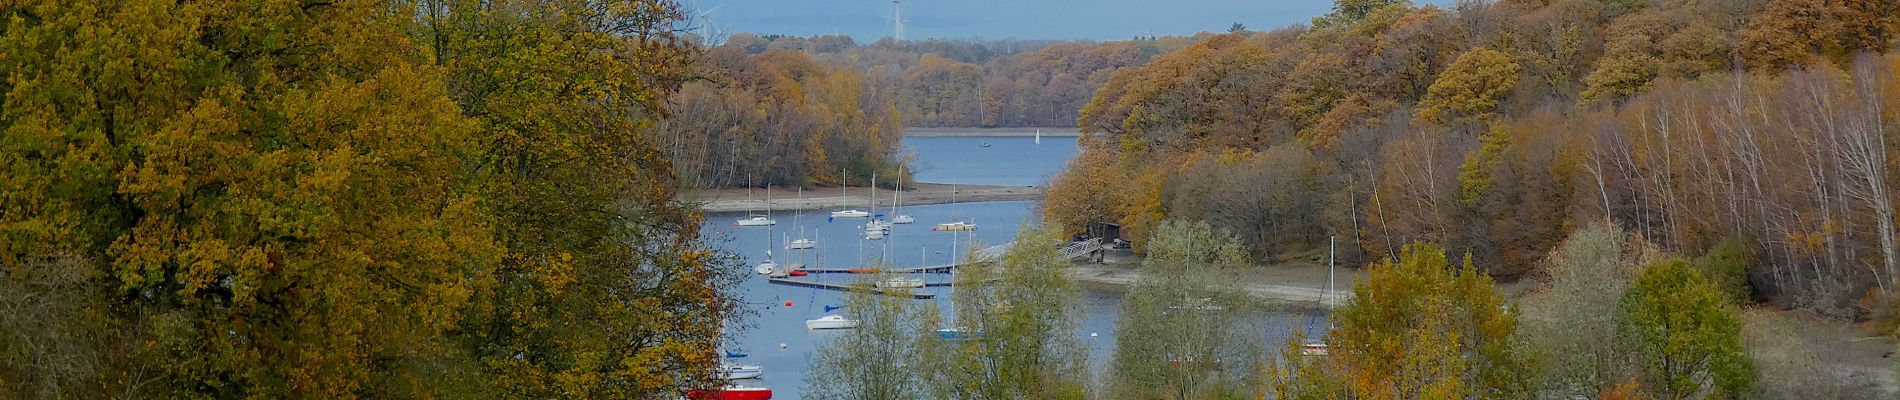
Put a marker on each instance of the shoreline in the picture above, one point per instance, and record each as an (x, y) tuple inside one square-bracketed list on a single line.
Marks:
[(1295, 287), (991, 132), (736, 200)]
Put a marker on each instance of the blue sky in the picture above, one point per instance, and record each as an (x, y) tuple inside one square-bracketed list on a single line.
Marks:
[(867, 20)]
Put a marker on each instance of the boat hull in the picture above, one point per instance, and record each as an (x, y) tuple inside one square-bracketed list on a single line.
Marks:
[(850, 214), (730, 393), (742, 371), (755, 222), (831, 323)]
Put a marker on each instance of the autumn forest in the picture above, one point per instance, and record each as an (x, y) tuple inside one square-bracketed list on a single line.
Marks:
[(1614, 199)]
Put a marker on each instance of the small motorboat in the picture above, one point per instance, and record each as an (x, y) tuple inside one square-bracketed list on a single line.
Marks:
[(730, 354), (731, 392), (802, 244), (797, 273), (903, 219), (850, 214), (756, 220), (954, 227), (958, 333), (899, 283), (741, 371), (833, 321), (1314, 348)]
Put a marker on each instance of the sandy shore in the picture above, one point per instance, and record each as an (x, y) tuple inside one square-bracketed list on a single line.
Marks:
[(1296, 285), (991, 132), (735, 200)]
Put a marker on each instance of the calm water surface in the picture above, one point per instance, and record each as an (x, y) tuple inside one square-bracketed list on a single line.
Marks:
[(1008, 161)]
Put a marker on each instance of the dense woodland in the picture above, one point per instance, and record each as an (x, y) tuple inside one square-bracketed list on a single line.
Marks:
[(1006, 83), (290, 199), (1497, 129), (780, 118)]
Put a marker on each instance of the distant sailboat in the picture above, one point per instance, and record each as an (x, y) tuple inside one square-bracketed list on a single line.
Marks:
[(897, 205), (1038, 136), (841, 193), (760, 220), (802, 243)]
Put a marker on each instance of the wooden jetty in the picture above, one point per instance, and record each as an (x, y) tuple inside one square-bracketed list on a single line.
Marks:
[(1073, 250)]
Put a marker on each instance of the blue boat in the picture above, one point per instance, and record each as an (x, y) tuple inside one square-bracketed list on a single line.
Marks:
[(958, 333)]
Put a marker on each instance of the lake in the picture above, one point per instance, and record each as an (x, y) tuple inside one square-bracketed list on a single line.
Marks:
[(1008, 161)]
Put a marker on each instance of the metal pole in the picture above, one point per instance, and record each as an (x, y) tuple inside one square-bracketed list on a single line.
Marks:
[(1332, 251)]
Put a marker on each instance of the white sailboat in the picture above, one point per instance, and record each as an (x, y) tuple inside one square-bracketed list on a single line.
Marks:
[(851, 213), (798, 219), (760, 220), (741, 371), (896, 206), (833, 321), (957, 225), (766, 267)]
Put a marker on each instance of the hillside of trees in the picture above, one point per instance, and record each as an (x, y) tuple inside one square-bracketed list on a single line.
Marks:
[(1497, 129), (961, 83), (780, 118), (348, 199)]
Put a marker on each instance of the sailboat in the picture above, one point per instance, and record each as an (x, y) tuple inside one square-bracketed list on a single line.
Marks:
[(898, 204), (760, 220), (954, 226), (802, 243), (766, 267), (1038, 136), (853, 213), (876, 229)]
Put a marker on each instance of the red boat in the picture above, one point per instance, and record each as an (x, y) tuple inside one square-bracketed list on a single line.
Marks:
[(799, 273), (733, 392)]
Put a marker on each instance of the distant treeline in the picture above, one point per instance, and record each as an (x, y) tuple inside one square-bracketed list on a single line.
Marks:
[(1498, 128), (780, 118), (947, 83)]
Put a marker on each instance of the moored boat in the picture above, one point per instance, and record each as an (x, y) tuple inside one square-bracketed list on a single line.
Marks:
[(850, 214), (958, 333), (899, 283), (833, 321), (731, 392), (802, 244), (741, 371), (1314, 348), (756, 220), (958, 226)]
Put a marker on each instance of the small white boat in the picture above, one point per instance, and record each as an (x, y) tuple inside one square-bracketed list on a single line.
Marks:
[(903, 219), (850, 214), (954, 227), (802, 244), (766, 267), (756, 220), (874, 235), (899, 283), (833, 321), (741, 371), (1314, 348), (877, 225)]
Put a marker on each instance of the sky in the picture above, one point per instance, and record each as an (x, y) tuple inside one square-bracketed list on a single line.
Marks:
[(868, 20)]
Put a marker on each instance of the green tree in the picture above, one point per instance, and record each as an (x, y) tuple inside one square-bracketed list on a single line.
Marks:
[(606, 290), (881, 359), (1471, 87), (1420, 328), (1575, 325), (1182, 333), (1686, 333), (1025, 308), (1726, 267)]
